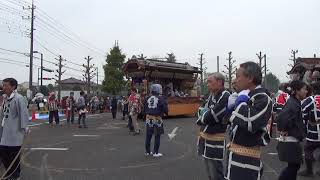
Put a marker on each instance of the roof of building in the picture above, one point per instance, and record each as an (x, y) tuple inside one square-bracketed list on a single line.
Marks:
[(303, 64), (72, 81), (154, 64)]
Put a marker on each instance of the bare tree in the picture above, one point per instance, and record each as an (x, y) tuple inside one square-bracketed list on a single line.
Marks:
[(230, 69)]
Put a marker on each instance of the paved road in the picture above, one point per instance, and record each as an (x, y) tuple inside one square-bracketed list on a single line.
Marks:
[(106, 151)]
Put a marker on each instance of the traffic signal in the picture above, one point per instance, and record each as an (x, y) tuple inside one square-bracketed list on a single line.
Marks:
[(47, 70)]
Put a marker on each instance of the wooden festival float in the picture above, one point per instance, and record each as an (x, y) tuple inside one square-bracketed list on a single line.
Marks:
[(174, 77)]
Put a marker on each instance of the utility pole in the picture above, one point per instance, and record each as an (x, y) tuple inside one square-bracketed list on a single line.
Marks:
[(293, 56), (265, 65), (60, 72), (218, 64), (38, 76), (260, 57), (31, 45), (202, 69), (231, 69), (97, 76), (262, 62), (88, 72), (41, 76)]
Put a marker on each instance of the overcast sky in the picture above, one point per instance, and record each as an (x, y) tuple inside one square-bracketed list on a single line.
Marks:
[(154, 28)]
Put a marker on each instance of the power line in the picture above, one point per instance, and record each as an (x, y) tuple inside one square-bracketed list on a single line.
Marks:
[(22, 1), (70, 33), (17, 3), (15, 34), (6, 59), (45, 48), (40, 40), (15, 61), (70, 68), (74, 63), (12, 21), (18, 64), (13, 26), (9, 62), (58, 31), (12, 10), (46, 61), (56, 54), (13, 51), (53, 33)]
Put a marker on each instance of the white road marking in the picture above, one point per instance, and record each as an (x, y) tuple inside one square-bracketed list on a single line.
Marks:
[(119, 123), (273, 154), (173, 133), (108, 127), (44, 171), (49, 149), (85, 135), (33, 125)]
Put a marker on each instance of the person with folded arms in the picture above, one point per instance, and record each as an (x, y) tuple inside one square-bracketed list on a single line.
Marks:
[(248, 125)]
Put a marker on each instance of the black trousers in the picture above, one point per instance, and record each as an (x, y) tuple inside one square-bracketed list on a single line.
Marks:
[(55, 115), (309, 148), (130, 125), (7, 155), (114, 114), (149, 133), (83, 118), (124, 113), (290, 172)]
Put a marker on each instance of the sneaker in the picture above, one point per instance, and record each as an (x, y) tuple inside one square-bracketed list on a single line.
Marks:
[(157, 155), (148, 154)]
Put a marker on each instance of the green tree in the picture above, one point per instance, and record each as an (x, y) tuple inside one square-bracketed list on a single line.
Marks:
[(50, 87), (271, 82), (171, 58), (44, 90), (114, 76)]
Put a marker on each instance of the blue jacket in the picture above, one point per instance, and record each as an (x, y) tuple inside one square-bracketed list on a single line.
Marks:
[(156, 105)]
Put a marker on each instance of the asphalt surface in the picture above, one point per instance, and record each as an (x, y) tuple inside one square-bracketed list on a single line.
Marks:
[(106, 151)]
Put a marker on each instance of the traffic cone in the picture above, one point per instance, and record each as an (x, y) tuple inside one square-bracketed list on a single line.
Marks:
[(33, 117)]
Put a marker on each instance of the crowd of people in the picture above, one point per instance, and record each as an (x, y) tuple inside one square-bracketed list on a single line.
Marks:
[(14, 118), (234, 126)]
